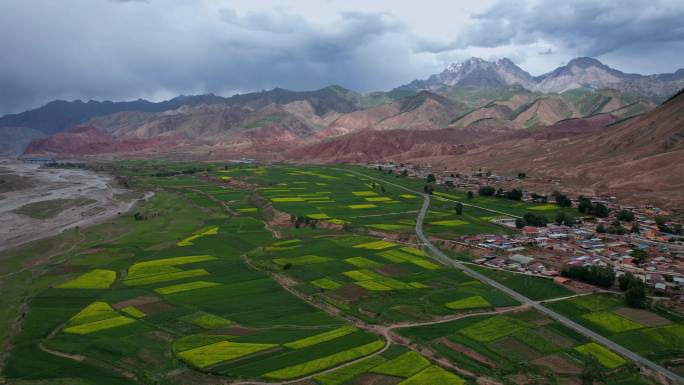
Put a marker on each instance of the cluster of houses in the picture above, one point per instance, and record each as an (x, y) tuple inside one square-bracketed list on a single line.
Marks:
[(469, 181), (545, 251)]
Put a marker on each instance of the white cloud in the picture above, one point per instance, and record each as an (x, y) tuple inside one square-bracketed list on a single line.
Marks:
[(109, 49)]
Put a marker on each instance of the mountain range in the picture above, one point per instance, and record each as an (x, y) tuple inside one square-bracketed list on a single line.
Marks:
[(471, 110), (578, 73)]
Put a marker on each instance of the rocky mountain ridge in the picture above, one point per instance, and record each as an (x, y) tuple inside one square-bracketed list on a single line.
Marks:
[(581, 72)]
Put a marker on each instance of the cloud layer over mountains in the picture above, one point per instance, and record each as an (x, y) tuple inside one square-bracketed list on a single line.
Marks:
[(156, 49)]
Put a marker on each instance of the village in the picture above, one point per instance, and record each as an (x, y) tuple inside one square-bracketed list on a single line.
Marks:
[(642, 248)]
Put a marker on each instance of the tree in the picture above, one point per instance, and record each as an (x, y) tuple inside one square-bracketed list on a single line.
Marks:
[(535, 220), (661, 222), (639, 256), (287, 266), (522, 175), (486, 191), (625, 280), (569, 220), (562, 200), (560, 218), (459, 208), (601, 229), (603, 276), (635, 296), (600, 210), (404, 173), (678, 229), (591, 371), (515, 194), (499, 193), (625, 216), (617, 230), (431, 178), (584, 205), (539, 198), (565, 219), (635, 227), (519, 223), (470, 195), (449, 184)]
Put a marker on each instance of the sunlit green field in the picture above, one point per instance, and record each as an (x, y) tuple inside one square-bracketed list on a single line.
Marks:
[(657, 335), (253, 272)]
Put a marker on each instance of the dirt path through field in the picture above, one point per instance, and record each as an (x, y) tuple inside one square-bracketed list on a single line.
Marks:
[(385, 331)]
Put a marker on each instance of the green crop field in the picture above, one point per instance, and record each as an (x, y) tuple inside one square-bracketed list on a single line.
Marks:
[(434, 375), (249, 272), (611, 321), (405, 365), (206, 320), (343, 375), (493, 328), (535, 288), (518, 342), (320, 338), (604, 356), (322, 363), (660, 341), (473, 302), (94, 279), (380, 269), (208, 355)]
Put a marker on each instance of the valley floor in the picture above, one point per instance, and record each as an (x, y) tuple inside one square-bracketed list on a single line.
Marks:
[(281, 274)]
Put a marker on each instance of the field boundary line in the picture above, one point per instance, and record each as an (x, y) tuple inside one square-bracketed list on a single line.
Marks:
[(420, 193), (384, 331), (438, 255)]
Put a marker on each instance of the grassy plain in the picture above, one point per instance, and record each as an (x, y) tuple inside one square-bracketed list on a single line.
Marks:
[(196, 297), (654, 335)]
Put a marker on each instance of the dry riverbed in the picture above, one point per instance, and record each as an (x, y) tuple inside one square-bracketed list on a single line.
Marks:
[(39, 202)]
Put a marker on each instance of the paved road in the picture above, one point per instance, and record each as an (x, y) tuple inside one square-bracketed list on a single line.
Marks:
[(420, 193), (439, 255)]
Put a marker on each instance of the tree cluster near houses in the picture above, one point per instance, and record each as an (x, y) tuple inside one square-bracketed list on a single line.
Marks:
[(561, 199), (597, 209), (635, 290), (603, 234), (603, 276)]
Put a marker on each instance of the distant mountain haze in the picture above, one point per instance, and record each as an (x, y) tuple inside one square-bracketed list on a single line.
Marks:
[(472, 114), (473, 73), (578, 73)]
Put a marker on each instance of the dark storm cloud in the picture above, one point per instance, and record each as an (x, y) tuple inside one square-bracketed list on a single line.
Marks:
[(126, 49), (591, 28), (112, 50)]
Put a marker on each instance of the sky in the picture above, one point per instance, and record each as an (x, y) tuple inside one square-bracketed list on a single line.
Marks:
[(158, 49)]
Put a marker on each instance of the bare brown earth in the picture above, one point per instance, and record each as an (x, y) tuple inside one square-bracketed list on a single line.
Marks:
[(643, 317), (466, 351), (558, 364), (376, 379), (636, 160), (544, 112)]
